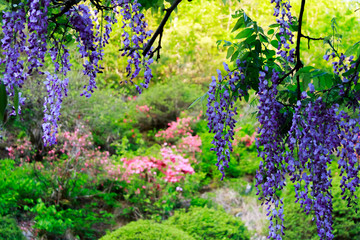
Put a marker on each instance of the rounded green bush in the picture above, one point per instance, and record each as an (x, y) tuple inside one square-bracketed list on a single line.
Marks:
[(147, 230), (9, 229), (206, 223)]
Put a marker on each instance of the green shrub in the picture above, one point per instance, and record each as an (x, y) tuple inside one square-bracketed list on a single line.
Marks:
[(9, 229), (166, 101), (206, 223), (147, 230), (208, 159), (53, 222), (17, 186)]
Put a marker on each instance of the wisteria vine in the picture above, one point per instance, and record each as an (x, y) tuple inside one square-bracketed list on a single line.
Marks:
[(318, 133), (91, 25)]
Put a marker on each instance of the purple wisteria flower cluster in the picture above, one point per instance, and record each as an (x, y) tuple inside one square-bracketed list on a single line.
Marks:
[(284, 19), (37, 25), (92, 29), (222, 95), (303, 154), (13, 44), (272, 170), (134, 20), (317, 134)]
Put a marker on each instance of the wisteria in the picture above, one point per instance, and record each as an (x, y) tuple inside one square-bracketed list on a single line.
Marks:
[(13, 44), (284, 19), (133, 19), (91, 27), (271, 174), (37, 24), (221, 112), (301, 153)]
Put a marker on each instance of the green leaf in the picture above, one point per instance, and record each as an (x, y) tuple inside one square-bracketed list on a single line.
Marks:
[(199, 99), (250, 39), (353, 50), (235, 56), (271, 31), (274, 43), (3, 101), (246, 97), (230, 52), (275, 25), (306, 69), (245, 33), (239, 24), (226, 43), (263, 38)]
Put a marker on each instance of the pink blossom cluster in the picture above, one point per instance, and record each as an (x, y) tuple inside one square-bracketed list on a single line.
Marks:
[(131, 98), (171, 164), (190, 144), (247, 140), (143, 109), (176, 165), (180, 127), (81, 155), (21, 150), (180, 132), (177, 129)]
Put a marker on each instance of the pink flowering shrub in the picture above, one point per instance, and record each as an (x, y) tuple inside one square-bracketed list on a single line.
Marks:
[(21, 150), (143, 109), (67, 162), (243, 138), (70, 160), (173, 167), (153, 185), (176, 129), (180, 133)]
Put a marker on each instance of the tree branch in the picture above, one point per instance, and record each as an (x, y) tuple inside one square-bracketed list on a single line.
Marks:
[(299, 35), (311, 38), (298, 64), (160, 29), (297, 51)]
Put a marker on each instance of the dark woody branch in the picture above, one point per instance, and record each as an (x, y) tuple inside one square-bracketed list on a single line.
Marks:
[(160, 29)]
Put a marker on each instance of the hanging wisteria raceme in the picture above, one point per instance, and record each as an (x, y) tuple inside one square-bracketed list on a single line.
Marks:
[(57, 89), (317, 133), (222, 95), (349, 135), (272, 170), (349, 158), (37, 25), (284, 19), (13, 44), (135, 20), (92, 32), (80, 19)]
